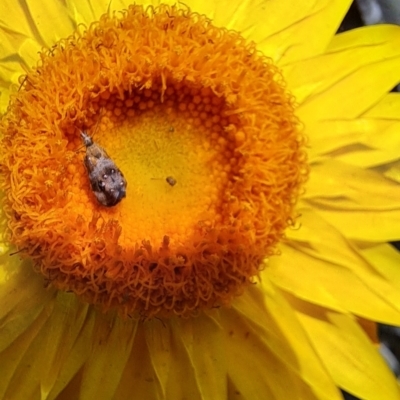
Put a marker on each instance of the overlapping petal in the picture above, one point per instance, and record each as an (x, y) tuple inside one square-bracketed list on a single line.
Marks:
[(268, 325), (358, 68), (24, 312), (85, 12), (333, 273), (281, 28), (295, 334), (347, 197), (353, 361), (70, 348)]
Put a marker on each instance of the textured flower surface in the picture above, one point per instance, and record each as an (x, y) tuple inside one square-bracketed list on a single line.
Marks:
[(222, 135), (206, 133)]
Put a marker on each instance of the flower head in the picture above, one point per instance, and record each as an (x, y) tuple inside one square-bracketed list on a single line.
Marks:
[(199, 127), (206, 138)]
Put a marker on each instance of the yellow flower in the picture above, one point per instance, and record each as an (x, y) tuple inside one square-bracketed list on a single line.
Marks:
[(299, 332), (211, 150)]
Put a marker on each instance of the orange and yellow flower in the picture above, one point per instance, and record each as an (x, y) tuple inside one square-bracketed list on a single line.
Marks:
[(225, 132), (278, 293)]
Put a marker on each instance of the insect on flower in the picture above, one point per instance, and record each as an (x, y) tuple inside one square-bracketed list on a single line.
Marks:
[(107, 181), (171, 181)]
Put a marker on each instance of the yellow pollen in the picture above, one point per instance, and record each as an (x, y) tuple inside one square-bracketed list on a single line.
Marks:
[(200, 125)]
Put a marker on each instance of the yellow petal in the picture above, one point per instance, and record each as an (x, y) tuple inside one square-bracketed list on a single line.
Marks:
[(346, 282), (24, 312), (191, 348), (386, 260), (284, 31), (162, 357), (166, 351), (392, 171), (45, 19), (4, 99), (292, 31), (355, 141), (342, 140), (353, 361), (369, 158), (44, 340), (334, 185), (29, 52), (85, 12), (42, 25), (112, 344), (10, 67), (283, 35), (18, 380), (262, 333), (139, 379), (58, 336), (360, 67), (22, 298), (370, 328), (388, 108), (44, 365), (9, 73), (25, 28), (364, 225), (201, 341), (347, 197), (76, 351)]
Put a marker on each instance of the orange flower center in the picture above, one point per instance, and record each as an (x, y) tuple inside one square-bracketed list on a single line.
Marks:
[(204, 133), (171, 153)]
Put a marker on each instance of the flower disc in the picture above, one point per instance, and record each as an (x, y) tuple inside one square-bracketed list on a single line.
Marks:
[(200, 125)]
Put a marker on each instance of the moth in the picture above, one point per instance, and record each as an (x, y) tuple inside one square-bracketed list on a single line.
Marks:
[(106, 180)]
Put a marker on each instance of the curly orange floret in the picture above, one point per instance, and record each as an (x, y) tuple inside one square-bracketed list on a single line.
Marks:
[(204, 131)]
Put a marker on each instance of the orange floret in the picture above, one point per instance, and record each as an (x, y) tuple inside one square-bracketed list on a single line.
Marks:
[(202, 128)]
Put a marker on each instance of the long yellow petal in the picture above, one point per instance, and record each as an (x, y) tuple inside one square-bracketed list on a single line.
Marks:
[(25, 314), (25, 28), (365, 226), (22, 299), (263, 332), (343, 139), (159, 343), (292, 31), (386, 260), (355, 140), (352, 205), (388, 108), (190, 347), (139, 379), (112, 344), (85, 12), (44, 19), (10, 67), (334, 185), (73, 357), (369, 158), (346, 281), (165, 351), (19, 380), (281, 28), (201, 339), (353, 361), (29, 52), (359, 68), (57, 339), (36, 21)]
